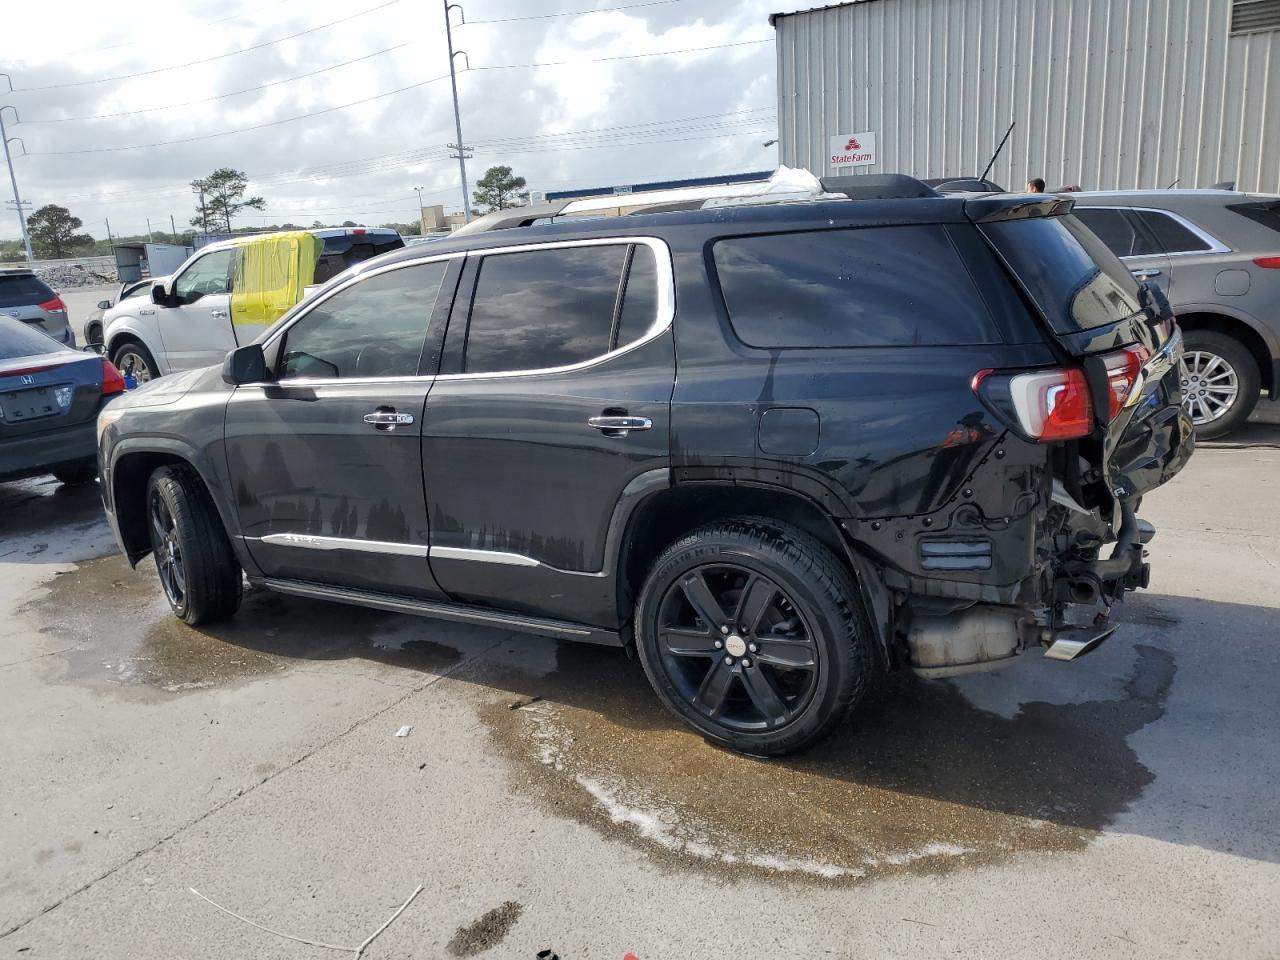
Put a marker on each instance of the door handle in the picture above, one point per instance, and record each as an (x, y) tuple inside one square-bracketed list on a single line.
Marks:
[(218, 314), (1145, 274), (387, 419), (619, 426)]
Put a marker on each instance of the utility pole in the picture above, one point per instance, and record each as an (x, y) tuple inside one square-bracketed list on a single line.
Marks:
[(204, 216), (422, 214), (13, 179), (462, 153), (151, 238), (111, 241), (173, 227)]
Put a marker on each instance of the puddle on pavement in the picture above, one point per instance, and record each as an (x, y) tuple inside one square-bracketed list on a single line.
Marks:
[(29, 506), (920, 780), (126, 639)]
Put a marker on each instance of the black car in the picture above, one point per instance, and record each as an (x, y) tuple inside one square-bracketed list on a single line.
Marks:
[(779, 448), (50, 397)]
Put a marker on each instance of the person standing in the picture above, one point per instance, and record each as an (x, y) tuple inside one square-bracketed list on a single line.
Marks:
[(1035, 185)]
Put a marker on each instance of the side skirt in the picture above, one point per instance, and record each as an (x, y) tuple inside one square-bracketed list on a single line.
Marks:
[(447, 611)]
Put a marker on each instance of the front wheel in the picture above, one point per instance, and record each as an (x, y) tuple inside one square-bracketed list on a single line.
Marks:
[(754, 634), (197, 567), (1220, 382), (134, 360)]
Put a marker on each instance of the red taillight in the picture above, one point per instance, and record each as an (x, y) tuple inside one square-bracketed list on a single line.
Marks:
[(54, 304), (112, 381), (358, 232), (1267, 263), (1123, 370), (1052, 404)]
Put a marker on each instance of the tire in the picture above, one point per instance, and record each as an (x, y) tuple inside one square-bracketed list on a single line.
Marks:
[(131, 357), (815, 614), (93, 334), (1217, 355), (74, 474), (197, 567)]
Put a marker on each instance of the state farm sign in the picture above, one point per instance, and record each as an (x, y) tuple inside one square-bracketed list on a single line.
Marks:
[(853, 149)]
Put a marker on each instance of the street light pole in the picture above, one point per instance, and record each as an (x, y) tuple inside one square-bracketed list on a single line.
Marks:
[(457, 116), (13, 179), (422, 214)]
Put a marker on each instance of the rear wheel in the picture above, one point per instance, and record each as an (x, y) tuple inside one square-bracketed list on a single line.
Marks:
[(132, 359), (1220, 382), (198, 570), (753, 633)]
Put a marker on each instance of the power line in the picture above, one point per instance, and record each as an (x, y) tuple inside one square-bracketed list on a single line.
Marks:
[(571, 13), (220, 56), (223, 96), (389, 93)]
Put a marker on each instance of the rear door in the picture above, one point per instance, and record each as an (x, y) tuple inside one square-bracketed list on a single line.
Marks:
[(325, 459), (555, 394)]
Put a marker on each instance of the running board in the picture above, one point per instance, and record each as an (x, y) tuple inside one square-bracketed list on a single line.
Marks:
[(1074, 644), (458, 613)]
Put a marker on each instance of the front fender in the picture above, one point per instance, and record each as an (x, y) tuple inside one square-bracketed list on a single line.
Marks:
[(142, 329)]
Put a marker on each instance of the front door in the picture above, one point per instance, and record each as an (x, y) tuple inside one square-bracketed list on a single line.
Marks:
[(326, 459), (554, 396), (196, 330)]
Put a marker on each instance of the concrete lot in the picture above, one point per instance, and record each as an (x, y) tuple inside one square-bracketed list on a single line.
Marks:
[(1127, 805)]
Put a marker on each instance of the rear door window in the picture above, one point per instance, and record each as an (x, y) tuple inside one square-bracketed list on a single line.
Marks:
[(866, 287), (1172, 236), (639, 308), (23, 290), (1119, 230), (1070, 275), (543, 308)]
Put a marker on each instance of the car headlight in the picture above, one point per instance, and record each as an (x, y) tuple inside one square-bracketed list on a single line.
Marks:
[(106, 418)]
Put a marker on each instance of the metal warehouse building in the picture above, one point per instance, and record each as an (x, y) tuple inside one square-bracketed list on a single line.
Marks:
[(1106, 94)]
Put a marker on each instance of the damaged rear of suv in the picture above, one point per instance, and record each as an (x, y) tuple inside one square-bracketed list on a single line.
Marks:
[(777, 445)]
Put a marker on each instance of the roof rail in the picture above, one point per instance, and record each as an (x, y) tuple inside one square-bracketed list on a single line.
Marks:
[(878, 186), (511, 217)]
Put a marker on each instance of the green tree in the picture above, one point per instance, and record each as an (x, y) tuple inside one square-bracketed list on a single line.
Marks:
[(223, 197), (499, 189), (53, 232)]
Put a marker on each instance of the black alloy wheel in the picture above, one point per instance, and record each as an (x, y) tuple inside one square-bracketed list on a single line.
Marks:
[(736, 647)]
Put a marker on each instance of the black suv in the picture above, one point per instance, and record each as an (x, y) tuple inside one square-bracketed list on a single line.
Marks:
[(779, 448)]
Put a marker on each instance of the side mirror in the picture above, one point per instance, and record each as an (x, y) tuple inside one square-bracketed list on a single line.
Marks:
[(245, 365), (104, 304)]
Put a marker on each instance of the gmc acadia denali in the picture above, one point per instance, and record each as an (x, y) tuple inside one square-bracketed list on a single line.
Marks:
[(779, 446)]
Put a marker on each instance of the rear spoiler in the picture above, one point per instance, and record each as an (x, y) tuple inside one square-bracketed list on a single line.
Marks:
[(1017, 207)]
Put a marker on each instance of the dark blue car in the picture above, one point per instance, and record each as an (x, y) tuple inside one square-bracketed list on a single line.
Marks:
[(49, 401)]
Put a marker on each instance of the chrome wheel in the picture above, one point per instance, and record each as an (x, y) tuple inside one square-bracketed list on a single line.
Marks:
[(134, 365), (168, 554), (1210, 386), (737, 648)]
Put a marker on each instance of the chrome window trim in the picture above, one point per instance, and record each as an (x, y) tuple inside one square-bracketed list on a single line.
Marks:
[(662, 322), (485, 556), (308, 541), (1215, 245)]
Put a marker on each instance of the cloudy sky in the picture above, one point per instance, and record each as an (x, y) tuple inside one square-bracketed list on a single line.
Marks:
[(118, 114)]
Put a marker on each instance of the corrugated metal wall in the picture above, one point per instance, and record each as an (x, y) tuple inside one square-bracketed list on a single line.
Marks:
[(1108, 94)]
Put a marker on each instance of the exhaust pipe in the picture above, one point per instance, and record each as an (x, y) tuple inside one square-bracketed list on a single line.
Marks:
[(1074, 644)]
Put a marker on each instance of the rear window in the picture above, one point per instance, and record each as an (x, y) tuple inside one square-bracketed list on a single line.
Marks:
[(1076, 282), (1265, 212), (19, 340), (22, 290), (866, 287), (1172, 236)]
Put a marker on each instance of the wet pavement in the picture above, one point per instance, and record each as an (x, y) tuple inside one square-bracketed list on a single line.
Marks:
[(1123, 805)]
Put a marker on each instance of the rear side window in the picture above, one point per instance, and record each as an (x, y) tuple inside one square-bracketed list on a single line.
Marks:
[(1070, 275), (374, 328), (1171, 235), (1118, 231), (869, 287), (639, 307), (1265, 212), (19, 340), (23, 290), (543, 308)]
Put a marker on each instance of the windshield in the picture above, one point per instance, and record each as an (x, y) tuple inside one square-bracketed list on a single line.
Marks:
[(1077, 283)]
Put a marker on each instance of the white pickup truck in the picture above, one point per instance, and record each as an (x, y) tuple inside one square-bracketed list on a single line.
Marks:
[(187, 321)]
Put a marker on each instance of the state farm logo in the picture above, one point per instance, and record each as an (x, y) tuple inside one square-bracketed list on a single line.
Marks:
[(853, 149)]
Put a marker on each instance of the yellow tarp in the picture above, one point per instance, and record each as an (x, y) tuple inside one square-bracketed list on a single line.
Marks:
[(271, 275)]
